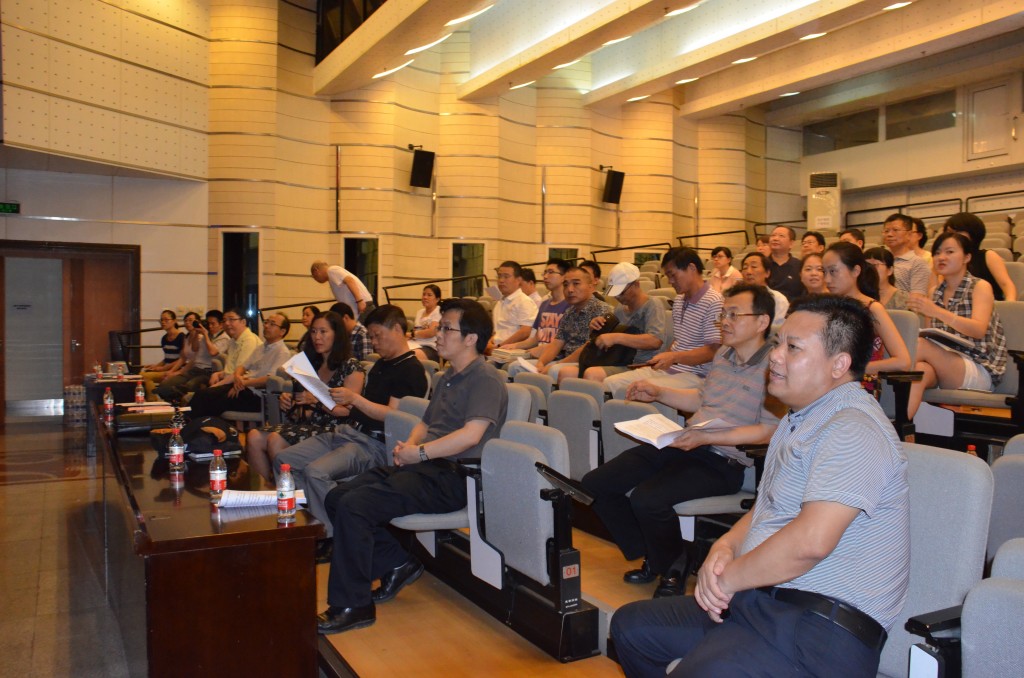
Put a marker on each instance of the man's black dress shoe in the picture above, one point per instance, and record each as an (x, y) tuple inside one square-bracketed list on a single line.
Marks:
[(642, 576), (673, 584), (338, 619), (324, 550), (397, 579)]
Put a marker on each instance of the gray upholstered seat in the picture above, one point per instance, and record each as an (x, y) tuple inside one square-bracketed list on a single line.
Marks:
[(1007, 501), (575, 414), (520, 403)]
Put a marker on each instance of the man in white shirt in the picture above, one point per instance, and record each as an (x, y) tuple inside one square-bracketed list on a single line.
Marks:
[(236, 390), (515, 312), (346, 288), (911, 271), (240, 346), (529, 286)]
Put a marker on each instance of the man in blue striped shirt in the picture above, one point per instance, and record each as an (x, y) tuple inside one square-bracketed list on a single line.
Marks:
[(810, 580)]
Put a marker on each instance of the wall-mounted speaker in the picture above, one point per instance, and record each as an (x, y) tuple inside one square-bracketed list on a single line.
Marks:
[(613, 187), (422, 168)]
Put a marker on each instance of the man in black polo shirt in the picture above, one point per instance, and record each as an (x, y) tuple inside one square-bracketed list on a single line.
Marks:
[(467, 409), (783, 268), (320, 461)]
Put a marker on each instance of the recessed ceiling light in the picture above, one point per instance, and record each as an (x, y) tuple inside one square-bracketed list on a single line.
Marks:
[(895, 6), (462, 19), (637, 98), (686, 80), (394, 70), (744, 61), (812, 36), (612, 42), (789, 94), (525, 84), (565, 65), (417, 50), (682, 10)]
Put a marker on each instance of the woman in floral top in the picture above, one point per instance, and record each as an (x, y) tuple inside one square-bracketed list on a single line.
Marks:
[(963, 306), (330, 352)]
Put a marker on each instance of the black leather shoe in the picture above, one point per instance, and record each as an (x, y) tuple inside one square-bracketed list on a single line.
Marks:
[(338, 619), (642, 576), (324, 550), (672, 585), (397, 579)]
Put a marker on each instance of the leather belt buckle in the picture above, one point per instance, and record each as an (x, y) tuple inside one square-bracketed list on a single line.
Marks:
[(847, 617)]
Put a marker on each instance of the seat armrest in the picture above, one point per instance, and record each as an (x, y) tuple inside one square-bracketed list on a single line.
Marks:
[(901, 376), (757, 451), (929, 624)]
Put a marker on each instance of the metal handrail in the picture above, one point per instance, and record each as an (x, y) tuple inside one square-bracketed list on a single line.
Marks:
[(746, 238), (594, 253), (992, 195), (899, 210), (421, 283), (795, 224)]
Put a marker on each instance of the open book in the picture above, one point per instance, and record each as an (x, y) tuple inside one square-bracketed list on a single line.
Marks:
[(299, 367), (242, 498), (944, 338), (659, 430)]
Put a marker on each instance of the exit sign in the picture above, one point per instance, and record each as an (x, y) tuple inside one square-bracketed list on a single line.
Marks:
[(10, 208)]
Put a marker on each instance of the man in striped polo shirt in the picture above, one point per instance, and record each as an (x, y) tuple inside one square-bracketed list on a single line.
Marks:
[(695, 334), (823, 559)]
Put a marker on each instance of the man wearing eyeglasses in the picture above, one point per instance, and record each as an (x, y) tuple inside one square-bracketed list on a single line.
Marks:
[(236, 390), (700, 462), (910, 270), (549, 317), (241, 343), (466, 410)]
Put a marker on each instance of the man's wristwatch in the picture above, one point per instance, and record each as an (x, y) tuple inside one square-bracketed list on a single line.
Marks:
[(423, 454)]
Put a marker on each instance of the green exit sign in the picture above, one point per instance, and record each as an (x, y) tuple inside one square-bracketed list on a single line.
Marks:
[(10, 208)]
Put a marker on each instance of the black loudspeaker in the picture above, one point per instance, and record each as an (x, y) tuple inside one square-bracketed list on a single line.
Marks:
[(613, 187), (422, 168)]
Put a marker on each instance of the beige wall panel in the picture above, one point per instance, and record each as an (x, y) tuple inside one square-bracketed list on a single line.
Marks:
[(225, 72), (305, 115), (27, 13), (165, 248), (156, 200), (84, 131), (95, 25), (170, 290), (53, 194), (58, 231), (305, 198), (26, 58), (296, 28), (162, 48), (149, 144), (86, 77)]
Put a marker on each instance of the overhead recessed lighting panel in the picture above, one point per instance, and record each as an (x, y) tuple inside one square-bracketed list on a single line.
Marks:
[(812, 36), (744, 61), (896, 5), (682, 10), (393, 70), (612, 42), (637, 98), (525, 84), (686, 80), (463, 19), (566, 65), (424, 48), (789, 94)]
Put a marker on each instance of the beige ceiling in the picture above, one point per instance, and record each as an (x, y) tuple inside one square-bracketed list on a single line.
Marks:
[(867, 56)]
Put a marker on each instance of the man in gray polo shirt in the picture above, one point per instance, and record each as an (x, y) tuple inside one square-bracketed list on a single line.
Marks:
[(467, 409), (829, 534)]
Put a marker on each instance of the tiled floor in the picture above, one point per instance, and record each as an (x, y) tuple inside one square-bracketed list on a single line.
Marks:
[(54, 620)]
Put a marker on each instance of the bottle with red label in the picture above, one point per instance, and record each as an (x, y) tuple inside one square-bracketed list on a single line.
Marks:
[(108, 402), (218, 476), (176, 451), (177, 485), (285, 495), (120, 372), (140, 393)]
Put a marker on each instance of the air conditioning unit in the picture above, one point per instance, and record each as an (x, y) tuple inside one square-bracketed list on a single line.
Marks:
[(824, 202)]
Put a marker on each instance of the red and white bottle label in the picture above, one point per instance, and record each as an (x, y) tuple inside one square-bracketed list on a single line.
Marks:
[(218, 481), (285, 501)]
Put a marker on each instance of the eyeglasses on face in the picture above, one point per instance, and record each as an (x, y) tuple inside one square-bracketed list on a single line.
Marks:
[(732, 315), (448, 328), (232, 319), (270, 323)]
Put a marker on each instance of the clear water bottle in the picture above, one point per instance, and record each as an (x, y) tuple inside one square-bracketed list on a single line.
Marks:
[(108, 403), (178, 420), (97, 369), (177, 485), (120, 372), (176, 451), (285, 495), (140, 393), (218, 476)]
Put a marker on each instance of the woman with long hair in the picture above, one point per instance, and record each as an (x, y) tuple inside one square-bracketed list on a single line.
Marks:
[(812, 274), (892, 297), (424, 328), (848, 274), (965, 307), (984, 264), (330, 353)]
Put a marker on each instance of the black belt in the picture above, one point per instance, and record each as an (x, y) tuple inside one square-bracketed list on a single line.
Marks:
[(845, 616), (376, 434)]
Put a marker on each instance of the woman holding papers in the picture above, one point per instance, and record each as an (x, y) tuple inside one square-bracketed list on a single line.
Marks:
[(962, 306), (330, 353), (848, 274)]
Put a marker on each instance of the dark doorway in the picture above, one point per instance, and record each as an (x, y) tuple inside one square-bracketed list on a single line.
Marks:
[(240, 275)]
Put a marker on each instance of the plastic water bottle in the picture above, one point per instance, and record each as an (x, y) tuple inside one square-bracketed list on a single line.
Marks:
[(285, 495), (108, 403), (140, 393), (120, 372), (178, 420), (218, 476), (97, 368), (176, 451), (178, 485)]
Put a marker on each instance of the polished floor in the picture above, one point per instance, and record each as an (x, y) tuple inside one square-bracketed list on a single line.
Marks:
[(54, 620)]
